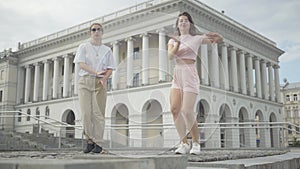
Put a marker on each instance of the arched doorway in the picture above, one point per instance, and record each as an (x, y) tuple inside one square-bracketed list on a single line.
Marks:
[(274, 132), (260, 132), (244, 130), (152, 132), (202, 112), (226, 134), (69, 118), (120, 128)]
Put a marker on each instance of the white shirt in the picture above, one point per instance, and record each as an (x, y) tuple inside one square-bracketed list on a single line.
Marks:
[(98, 57)]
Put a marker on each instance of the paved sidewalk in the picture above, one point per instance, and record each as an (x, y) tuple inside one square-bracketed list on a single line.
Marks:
[(152, 159)]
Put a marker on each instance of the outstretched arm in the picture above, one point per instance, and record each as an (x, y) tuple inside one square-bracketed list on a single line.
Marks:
[(213, 37)]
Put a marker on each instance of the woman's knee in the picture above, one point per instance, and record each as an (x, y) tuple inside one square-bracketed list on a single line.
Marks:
[(175, 110)]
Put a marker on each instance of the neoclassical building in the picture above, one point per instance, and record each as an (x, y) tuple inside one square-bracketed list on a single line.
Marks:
[(291, 108), (239, 94)]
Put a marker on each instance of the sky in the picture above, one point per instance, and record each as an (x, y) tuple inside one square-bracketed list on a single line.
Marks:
[(278, 20)]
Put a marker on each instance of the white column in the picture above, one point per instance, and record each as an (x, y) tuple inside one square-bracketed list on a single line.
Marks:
[(129, 62), (20, 85), (233, 67), (277, 84), (264, 79), (55, 78), (145, 60), (163, 59), (242, 70), (46, 80), (36, 82), (76, 78), (250, 74), (224, 75), (257, 77), (66, 75), (115, 74), (271, 82), (214, 66), (27, 84), (204, 65)]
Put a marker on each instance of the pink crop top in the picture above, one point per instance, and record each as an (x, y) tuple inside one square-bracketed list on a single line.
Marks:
[(189, 46)]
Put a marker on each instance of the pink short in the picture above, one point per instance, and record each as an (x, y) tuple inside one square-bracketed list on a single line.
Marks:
[(186, 78)]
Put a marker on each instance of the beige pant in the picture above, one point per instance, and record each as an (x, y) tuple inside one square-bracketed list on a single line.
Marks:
[(92, 100)]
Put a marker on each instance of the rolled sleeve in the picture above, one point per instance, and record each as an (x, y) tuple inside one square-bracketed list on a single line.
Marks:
[(110, 62), (80, 54)]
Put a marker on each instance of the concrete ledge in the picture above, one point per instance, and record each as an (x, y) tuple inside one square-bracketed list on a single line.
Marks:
[(96, 162), (285, 161)]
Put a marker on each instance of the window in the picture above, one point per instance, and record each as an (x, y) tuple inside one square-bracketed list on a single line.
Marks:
[(289, 129), (62, 70), (20, 116), (287, 97), (108, 84), (288, 114), (2, 75), (136, 53), (28, 114), (37, 112), (295, 97), (123, 56), (73, 67), (297, 129), (136, 80), (1, 95), (47, 112), (296, 113)]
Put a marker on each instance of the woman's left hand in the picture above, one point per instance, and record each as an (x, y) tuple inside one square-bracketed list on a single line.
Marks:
[(214, 37), (103, 82)]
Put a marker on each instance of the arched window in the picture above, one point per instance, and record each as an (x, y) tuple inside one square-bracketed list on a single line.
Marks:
[(289, 129), (47, 112), (20, 116), (136, 80), (37, 112), (295, 97), (287, 97), (28, 114)]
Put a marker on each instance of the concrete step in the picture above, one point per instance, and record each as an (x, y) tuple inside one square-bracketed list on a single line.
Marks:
[(98, 161)]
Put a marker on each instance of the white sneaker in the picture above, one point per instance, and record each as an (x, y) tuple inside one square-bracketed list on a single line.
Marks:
[(195, 149), (183, 148)]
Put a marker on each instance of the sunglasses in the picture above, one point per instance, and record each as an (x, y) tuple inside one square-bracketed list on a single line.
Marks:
[(96, 29)]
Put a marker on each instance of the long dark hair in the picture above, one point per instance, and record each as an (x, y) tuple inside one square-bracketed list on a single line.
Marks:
[(192, 26)]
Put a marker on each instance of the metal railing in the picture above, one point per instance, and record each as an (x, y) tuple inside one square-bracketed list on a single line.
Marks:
[(55, 126)]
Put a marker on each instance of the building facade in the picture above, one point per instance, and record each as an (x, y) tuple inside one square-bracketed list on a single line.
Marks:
[(291, 108), (239, 80)]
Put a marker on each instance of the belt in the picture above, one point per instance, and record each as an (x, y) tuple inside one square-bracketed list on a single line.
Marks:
[(93, 76)]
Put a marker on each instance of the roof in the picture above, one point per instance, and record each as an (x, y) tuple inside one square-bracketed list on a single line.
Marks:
[(292, 85)]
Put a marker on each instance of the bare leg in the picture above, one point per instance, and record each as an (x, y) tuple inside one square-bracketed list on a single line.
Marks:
[(188, 110), (176, 102)]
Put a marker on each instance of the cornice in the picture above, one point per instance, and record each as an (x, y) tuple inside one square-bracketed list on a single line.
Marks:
[(67, 39), (212, 20)]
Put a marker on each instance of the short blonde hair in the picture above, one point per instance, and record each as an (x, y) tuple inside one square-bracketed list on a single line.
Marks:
[(96, 24)]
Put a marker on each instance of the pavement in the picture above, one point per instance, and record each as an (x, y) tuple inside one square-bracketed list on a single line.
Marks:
[(153, 159)]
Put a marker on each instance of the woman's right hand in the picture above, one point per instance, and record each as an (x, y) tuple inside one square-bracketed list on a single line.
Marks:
[(101, 73)]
